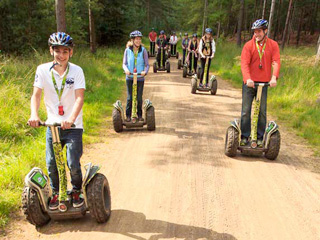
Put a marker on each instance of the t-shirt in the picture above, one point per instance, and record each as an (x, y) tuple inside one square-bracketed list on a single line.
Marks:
[(75, 80), (153, 36), (173, 40)]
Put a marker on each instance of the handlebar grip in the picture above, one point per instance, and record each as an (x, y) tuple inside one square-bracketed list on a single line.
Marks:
[(261, 84)]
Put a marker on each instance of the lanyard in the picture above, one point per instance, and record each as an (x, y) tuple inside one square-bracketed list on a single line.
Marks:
[(262, 52), (59, 92), (135, 57)]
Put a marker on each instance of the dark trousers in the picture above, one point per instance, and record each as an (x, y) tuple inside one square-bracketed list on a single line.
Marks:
[(140, 85), (248, 95), (184, 51), (203, 64), (195, 62), (173, 49), (152, 47), (159, 57)]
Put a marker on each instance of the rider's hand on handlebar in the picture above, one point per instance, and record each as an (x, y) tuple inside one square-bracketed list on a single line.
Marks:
[(273, 82), (66, 124), (143, 73), (127, 72), (34, 121), (250, 83), (212, 56)]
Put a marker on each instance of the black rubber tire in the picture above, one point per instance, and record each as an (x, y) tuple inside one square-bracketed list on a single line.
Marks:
[(155, 67), (184, 73), (32, 208), (117, 120), (169, 54), (168, 67), (193, 85), (148, 54), (274, 146), (151, 119), (214, 87), (179, 64), (199, 72), (177, 56), (99, 198), (232, 142)]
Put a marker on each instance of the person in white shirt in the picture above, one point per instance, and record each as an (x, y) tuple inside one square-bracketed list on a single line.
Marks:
[(207, 48), (173, 44), (63, 85)]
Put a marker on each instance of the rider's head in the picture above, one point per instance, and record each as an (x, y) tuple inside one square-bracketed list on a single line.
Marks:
[(186, 35), (260, 29), (152, 29), (161, 33), (194, 36), (136, 37), (61, 47), (208, 32)]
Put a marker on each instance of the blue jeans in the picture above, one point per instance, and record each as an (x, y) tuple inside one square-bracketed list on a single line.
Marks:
[(140, 85), (248, 95), (72, 139)]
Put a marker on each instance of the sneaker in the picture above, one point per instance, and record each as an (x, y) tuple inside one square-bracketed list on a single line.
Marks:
[(200, 85), (54, 202), (128, 119), (77, 200), (259, 143), (141, 119), (206, 85), (243, 142)]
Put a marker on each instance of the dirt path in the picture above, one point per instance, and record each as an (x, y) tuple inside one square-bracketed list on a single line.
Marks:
[(176, 182)]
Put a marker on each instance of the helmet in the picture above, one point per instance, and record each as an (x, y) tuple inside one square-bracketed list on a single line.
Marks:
[(152, 29), (135, 33), (194, 35), (186, 34), (260, 23), (173, 32), (208, 30), (60, 39), (161, 32)]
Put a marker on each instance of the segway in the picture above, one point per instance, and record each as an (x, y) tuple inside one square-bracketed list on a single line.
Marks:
[(186, 72), (37, 193), (118, 116), (151, 53), (271, 139), (212, 86), (159, 66), (175, 54)]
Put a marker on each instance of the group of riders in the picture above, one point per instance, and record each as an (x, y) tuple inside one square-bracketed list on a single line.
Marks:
[(63, 85)]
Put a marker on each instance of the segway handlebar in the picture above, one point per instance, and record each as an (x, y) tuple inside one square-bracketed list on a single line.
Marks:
[(261, 84), (43, 124), (138, 74)]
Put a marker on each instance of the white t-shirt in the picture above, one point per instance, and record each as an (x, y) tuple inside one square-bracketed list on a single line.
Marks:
[(173, 40), (75, 80)]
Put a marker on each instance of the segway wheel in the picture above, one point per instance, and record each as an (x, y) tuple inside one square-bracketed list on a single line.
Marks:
[(169, 54), (214, 87), (151, 120), (32, 208), (99, 198), (193, 85), (148, 54), (155, 67), (232, 142), (199, 72), (177, 55), (179, 64), (117, 120), (184, 73), (274, 146), (168, 67)]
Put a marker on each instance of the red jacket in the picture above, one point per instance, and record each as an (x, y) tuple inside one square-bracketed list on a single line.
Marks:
[(250, 61), (153, 36)]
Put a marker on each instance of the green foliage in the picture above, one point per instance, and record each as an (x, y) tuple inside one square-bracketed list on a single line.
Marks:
[(22, 147)]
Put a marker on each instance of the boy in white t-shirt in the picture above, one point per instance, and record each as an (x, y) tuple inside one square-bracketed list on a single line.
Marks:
[(63, 85), (173, 43)]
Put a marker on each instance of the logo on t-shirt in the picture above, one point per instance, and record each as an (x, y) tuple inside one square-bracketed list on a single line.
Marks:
[(69, 82), (36, 78)]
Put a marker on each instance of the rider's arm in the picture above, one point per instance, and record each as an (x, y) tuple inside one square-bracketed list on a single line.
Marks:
[(125, 63), (35, 104), (79, 96), (189, 45), (276, 61), (200, 49), (146, 61), (213, 47), (245, 63)]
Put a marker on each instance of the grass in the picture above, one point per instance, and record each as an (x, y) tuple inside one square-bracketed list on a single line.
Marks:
[(293, 101), (22, 147)]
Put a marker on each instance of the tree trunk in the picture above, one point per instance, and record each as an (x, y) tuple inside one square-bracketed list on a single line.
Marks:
[(273, 3), (61, 16), (286, 26), (92, 32), (264, 8), (205, 17), (240, 23), (219, 22), (300, 26), (275, 37), (148, 13), (229, 18)]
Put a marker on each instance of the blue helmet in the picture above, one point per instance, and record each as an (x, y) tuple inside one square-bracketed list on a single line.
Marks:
[(208, 30), (194, 35), (60, 39), (161, 32), (260, 23), (135, 33)]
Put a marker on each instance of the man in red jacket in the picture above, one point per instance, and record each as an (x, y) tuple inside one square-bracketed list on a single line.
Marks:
[(153, 39), (260, 62)]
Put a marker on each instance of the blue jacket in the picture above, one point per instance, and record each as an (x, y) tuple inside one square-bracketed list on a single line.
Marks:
[(129, 61)]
